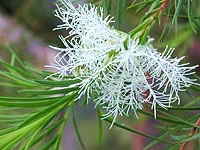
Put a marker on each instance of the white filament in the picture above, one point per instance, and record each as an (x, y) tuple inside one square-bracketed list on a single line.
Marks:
[(121, 72)]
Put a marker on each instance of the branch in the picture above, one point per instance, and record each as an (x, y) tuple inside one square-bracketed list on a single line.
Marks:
[(149, 21), (164, 4), (191, 134)]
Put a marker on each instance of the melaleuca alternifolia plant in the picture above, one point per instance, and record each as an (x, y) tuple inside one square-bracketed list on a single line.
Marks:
[(121, 73), (116, 70)]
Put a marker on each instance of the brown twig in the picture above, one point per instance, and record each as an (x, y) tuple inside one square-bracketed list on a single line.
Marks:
[(191, 134), (160, 9), (156, 13), (164, 4)]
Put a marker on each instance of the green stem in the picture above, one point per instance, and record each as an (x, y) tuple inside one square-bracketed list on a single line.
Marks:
[(100, 131)]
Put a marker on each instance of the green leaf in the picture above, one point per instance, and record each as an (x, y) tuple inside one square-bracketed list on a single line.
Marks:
[(14, 137), (62, 83), (16, 70), (171, 131), (179, 119), (13, 142), (169, 118), (50, 92), (143, 3), (160, 118), (7, 130), (177, 10), (31, 140), (60, 104), (27, 104), (60, 132), (182, 108), (136, 32), (10, 85), (189, 16), (137, 132), (194, 137), (106, 4), (180, 137), (100, 125), (176, 147), (16, 57), (121, 6), (19, 80), (25, 99), (49, 144), (9, 116), (12, 62), (48, 73), (10, 121), (196, 88), (47, 131), (76, 130)]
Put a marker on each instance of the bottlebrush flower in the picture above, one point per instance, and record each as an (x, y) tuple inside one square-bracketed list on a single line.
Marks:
[(140, 74), (122, 73), (89, 41)]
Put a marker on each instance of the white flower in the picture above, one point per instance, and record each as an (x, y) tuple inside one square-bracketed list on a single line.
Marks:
[(89, 41), (87, 27), (140, 74), (168, 76), (121, 72)]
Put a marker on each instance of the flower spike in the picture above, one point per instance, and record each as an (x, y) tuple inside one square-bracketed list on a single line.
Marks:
[(121, 73)]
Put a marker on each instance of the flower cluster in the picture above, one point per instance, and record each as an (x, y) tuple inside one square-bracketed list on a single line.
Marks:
[(122, 73)]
